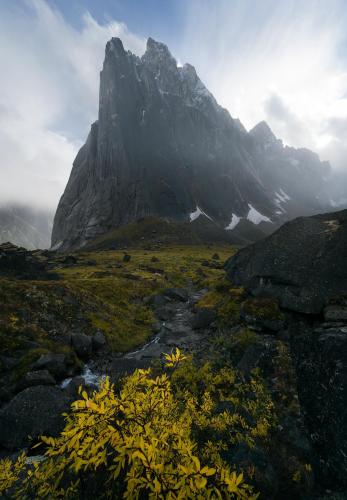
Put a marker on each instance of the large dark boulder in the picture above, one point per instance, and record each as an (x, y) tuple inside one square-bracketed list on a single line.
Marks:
[(320, 357), (39, 377), (17, 262), (82, 345), (57, 364), (303, 264), (33, 412)]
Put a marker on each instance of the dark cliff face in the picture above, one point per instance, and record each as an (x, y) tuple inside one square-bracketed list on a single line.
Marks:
[(162, 146)]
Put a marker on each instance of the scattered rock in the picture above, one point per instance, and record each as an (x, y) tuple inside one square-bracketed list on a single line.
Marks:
[(154, 259), (335, 313), (176, 294), (75, 383), (56, 364), (158, 300), (82, 345), (17, 262), (39, 377), (165, 313), (126, 257), (215, 256), (203, 318), (98, 340), (69, 260), (32, 412)]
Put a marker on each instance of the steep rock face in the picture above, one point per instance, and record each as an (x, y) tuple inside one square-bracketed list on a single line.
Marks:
[(298, 180), (162, 146), (303, 264)]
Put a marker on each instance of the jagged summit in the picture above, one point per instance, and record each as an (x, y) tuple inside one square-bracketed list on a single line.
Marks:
[(163, 147), (263, 133), (157, 49)]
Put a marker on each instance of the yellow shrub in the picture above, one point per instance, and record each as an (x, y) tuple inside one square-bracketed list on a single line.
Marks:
[(147, 441)]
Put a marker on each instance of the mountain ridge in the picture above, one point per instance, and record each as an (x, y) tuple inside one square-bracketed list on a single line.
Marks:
[(162, 146)]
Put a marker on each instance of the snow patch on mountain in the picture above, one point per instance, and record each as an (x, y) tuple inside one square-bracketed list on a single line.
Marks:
[(197, 212), (256, 217), (235, 219), (281, 197)]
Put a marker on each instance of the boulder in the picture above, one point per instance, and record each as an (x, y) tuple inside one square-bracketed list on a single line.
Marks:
[(176, 294), (33, 412), (39, 377), (258, 355), (56, 364), (321, 365), (203, 318), (98, 340), (335, 313), (126, 257), (75, 383), (165, 313), (158, 300), (303, 264), (82, 345)]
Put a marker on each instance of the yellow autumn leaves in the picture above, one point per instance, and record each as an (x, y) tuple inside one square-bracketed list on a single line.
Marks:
[(147, 439)]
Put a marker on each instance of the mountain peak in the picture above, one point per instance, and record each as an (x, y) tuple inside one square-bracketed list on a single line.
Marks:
[(263, 132), (157, 51), (115, 45)]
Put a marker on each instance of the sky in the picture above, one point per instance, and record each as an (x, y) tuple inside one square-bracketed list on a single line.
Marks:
[(280, 61)]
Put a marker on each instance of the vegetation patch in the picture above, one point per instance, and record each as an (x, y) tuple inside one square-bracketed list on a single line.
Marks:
[(225, 300), (157, 436), (263, 308)]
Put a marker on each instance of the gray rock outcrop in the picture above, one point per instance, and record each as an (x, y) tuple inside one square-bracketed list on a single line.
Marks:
[(303, 264)]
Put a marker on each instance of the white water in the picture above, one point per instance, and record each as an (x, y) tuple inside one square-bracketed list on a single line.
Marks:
[(153, 341), (90, 378)]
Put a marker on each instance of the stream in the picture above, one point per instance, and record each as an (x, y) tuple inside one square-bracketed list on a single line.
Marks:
[(173, 332)]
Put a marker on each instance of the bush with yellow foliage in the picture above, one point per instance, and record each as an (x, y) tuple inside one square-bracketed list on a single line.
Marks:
[(159, 436)]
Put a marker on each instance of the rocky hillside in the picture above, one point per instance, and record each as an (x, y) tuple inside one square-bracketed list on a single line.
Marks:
[(163, 146), (297, 285)]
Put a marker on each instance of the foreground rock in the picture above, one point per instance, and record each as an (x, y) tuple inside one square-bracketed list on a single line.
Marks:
[(33, 412), (297, 281), (303, 264), (17, 262), (321, 365)]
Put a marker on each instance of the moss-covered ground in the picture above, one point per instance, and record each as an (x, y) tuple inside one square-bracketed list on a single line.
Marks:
[(98, 291)]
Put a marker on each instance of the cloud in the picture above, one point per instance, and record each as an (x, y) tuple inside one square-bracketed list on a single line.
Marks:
[(284, 61), (48, 96), (287, 124)]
